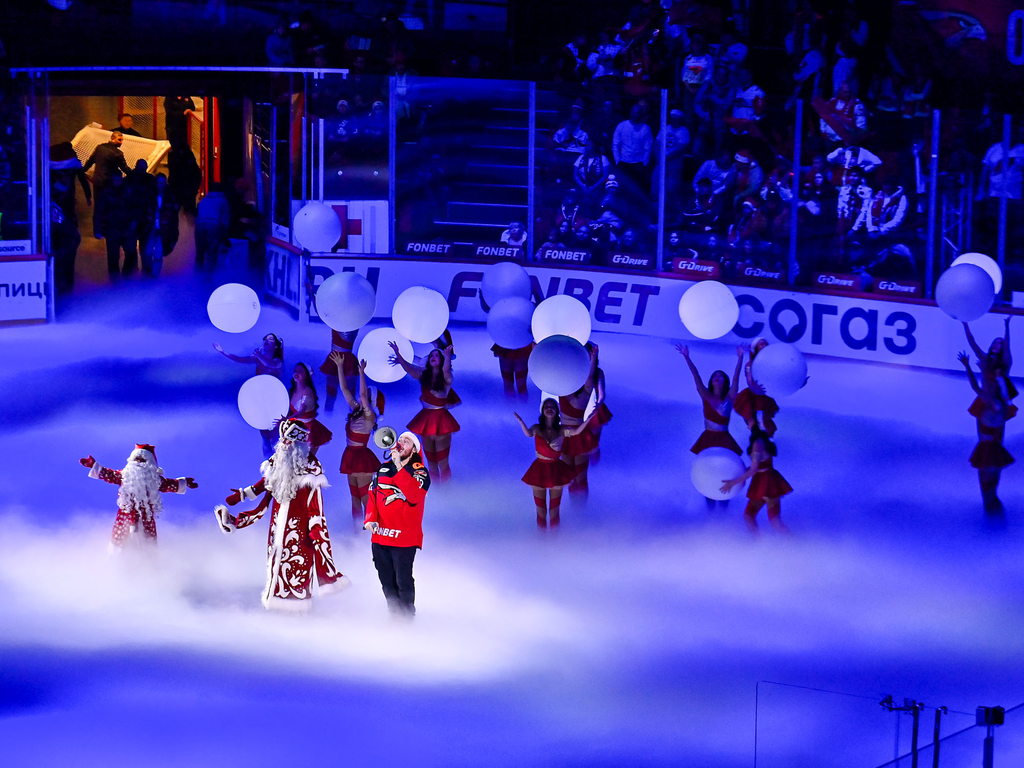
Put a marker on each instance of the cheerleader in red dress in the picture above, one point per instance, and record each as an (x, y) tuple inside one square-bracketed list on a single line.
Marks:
[(998, 359), (547, 476), (767, 487), (991, 409), (434, 424), (269, 361), (753, 401), (576, 448), (601, 415), (358, 461), (515, 366), (303, 405), (342, 343)]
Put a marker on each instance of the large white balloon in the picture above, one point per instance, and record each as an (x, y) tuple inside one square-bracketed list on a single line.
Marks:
[(504, 280), (708, 309), (420, 314), (233, 307), (559, 364), (262, 400), (561, 315), (985, 262), (780, 369), (509, 322), (346, 301), (714, 466), (376, 351), (317, 227), (965, 292)]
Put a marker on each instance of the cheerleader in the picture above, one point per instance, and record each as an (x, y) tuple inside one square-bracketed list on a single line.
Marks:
[(358, 461), (998, 359), (991, 409), (515, 366), (718, 398), (269, 361), (303, 406), (342, 343), (576, 448), (601, 414), (434, 424), (753, 401), (767, 487), (547, 476)]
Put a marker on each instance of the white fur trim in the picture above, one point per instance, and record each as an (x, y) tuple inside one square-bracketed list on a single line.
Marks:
[(223, 518), (182, 485), (340, 585), (249, 492), (314, 481), (290, 605), (94, 471)]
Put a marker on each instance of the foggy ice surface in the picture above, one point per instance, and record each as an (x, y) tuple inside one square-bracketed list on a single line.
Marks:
[(636, 634)]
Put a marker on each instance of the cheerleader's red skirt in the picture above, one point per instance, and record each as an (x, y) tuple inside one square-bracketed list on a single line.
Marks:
[(990, 454), (712, 439), (433, 422), (768, 483), (549, 474), (577, 445), (358, 459)]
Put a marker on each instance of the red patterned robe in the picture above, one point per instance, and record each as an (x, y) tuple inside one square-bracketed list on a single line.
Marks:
[(128, 519), (298, 544)]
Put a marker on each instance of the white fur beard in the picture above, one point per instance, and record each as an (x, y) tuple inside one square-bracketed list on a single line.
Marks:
[(140, 488), (287, 466)]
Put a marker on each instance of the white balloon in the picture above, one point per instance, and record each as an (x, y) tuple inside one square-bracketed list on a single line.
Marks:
[(509, 322), (780, 369), (505, 280), (559, 365), (317, 227), (346, 301), (233, 307), (985, 262), (711, 468), (561, 315), (376, 351), (420, 314), (965, 292), (708, 309), (262, 400)]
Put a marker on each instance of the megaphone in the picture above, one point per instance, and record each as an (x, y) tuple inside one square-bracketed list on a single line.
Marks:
[(385, 438)]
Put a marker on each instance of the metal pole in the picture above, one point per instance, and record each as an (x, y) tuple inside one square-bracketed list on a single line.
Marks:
[(320, 159), (916, 713), (44, 176), (392, 158), (933, 196), (662, 177), (33, 175), (794, 204), (935, 738), (531, 166), (1005, 176), (990, 745)]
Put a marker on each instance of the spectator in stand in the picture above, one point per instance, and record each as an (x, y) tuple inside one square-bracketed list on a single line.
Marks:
[(818, 210), (677, 144), (731, 53), (854, 194), (343, 131), (854, 27), (392, 41), (124, 125), (514, 235), (917, 95), (713, 105), (748, 104), (590, 172), (997, 181), (847, 158), (119, 226), (602, 126), (604, 74), (745, 178), (844, 119), (844, 71), (308, 42), (278, 47), (571, 210), (631, 242), (807, 77), (110, 164), (631, 148), (703, 216), (885, 212), (572, 67), (716, 170), (569, 141), (697, 69), (213, 218)]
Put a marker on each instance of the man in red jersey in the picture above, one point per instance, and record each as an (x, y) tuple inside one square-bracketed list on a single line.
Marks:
[(394, 513)]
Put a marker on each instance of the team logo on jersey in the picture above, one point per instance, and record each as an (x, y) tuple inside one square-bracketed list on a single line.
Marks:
[(394, 495)]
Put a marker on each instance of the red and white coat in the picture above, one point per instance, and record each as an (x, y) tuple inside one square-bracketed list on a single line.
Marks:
[(298, 543), (129, 519)]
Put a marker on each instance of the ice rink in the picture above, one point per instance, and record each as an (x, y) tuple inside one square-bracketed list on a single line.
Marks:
[(632, 636)]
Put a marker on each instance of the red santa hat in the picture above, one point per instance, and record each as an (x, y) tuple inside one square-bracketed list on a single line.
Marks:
[(141, 449), (412, 439)]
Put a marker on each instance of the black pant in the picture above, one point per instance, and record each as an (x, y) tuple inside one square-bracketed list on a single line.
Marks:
[(394, 568), (116, 240), (210, 236)]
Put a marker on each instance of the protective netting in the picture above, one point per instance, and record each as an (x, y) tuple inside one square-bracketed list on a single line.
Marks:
[(142, 109)]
